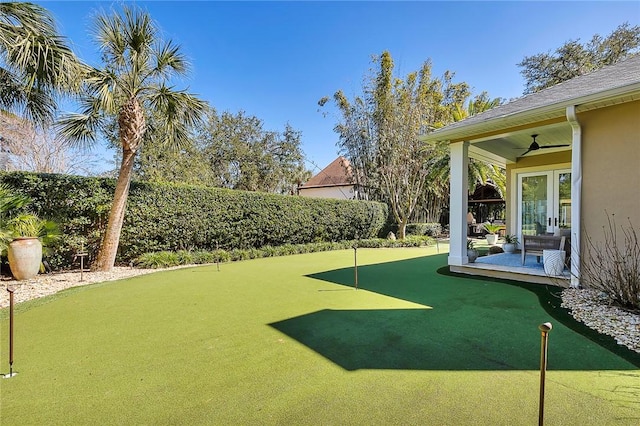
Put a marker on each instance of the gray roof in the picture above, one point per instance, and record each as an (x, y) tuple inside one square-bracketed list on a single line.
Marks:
[(618, 78)]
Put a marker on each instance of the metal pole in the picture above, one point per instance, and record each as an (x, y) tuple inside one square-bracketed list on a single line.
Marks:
[(355, 264), (10, 290), (217, 256), (544, 329)]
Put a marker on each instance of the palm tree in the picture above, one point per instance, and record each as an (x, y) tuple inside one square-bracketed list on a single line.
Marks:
[(36, 65), (132, 85), (437, 191)]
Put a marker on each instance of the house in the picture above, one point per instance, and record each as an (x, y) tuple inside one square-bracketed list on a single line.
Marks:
[(571, 154), (337, 180)]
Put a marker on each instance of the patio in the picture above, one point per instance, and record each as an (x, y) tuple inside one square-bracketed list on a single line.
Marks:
[(509, 266)]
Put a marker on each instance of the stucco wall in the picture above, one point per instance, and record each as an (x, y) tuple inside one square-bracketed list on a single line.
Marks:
[(611, 167), (339, 192)]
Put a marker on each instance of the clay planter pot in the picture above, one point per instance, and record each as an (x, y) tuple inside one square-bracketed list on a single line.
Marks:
[(25, 257)]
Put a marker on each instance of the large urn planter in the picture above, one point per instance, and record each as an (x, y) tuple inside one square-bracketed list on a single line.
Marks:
[(25, 257)]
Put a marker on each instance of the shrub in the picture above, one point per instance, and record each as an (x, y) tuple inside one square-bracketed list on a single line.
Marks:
[(166, 259), (495, 250), (511, 239), (173, 217), (491, 228), (612, 265), (429, 229)]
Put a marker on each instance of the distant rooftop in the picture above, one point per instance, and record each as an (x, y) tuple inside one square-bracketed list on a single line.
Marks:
[(338, 173)]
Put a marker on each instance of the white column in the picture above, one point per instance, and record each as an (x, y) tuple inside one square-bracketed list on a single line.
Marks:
[(458, 203), (576, 194)]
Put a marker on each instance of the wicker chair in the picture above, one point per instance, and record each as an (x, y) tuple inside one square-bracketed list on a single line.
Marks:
[(535, 244)]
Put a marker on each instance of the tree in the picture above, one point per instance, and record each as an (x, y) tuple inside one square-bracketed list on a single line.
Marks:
[(230, 151), (32, 148), (379, 131), (36, 65), (242, 155), (572, 59), (135, 81), (188, 164), (436, 194)]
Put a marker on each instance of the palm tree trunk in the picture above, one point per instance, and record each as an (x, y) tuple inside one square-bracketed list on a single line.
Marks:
[(107, 254)]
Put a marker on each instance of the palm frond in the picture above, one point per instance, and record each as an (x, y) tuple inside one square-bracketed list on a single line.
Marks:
[(81, 129), (28, 15), (36, 56), (181, 110)]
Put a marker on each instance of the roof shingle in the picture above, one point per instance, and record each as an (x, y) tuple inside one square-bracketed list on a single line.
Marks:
[(338, 173)]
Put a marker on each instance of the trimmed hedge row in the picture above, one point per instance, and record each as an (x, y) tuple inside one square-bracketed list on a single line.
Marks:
[(172, 217), (165, 259)]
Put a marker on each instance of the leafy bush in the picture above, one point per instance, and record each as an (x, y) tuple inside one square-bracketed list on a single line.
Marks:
[(495, 250), (166, 259), (430, 229), (491, 228), (511, 239), (173, 217)]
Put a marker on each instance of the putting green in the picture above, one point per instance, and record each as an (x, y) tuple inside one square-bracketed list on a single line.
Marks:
[(289, 341)]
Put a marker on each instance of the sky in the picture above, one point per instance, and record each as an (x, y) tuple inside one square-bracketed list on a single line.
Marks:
[(275, 60)]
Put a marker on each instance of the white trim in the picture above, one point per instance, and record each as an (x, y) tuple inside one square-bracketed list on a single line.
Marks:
[(576, 194), (530, 115), (487, 157), (458, 203), (553, 201)]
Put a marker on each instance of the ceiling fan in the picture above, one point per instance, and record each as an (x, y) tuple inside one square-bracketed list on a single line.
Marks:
[(535, 146)]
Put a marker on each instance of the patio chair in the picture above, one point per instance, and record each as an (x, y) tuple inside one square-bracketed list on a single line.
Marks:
[(535, 244)]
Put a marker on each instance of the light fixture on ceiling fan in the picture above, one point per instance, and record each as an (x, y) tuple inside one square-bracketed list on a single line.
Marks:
[(535, 146)]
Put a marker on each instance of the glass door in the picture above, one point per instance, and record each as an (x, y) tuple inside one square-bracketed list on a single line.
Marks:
[(562, 182), (534, 203), (544, 200)]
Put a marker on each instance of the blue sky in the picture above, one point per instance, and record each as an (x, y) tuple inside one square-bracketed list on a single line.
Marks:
[(275, 60)]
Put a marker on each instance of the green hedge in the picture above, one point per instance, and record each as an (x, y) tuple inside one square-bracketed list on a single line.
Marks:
[(173, 217), (165, 259), (430, 229)]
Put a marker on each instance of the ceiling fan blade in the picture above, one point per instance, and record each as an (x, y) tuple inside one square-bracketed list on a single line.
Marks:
[(553, 146), (526, 152)]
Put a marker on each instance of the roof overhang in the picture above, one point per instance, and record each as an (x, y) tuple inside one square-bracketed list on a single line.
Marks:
[(546, 113), (499, 139)]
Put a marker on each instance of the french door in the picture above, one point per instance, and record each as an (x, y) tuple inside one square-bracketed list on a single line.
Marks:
[(544, 200)]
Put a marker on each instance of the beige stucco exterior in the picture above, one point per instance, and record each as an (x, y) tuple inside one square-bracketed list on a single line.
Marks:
[(611, 167)]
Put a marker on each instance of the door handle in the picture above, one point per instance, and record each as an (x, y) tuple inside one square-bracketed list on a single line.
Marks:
[(556, 221), (549, 220)]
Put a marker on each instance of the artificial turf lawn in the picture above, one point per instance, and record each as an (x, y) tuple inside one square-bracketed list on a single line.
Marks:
[(286, 341)]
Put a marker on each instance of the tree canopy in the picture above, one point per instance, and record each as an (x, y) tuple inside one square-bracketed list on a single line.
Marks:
[(230, 150), (573, 58)]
